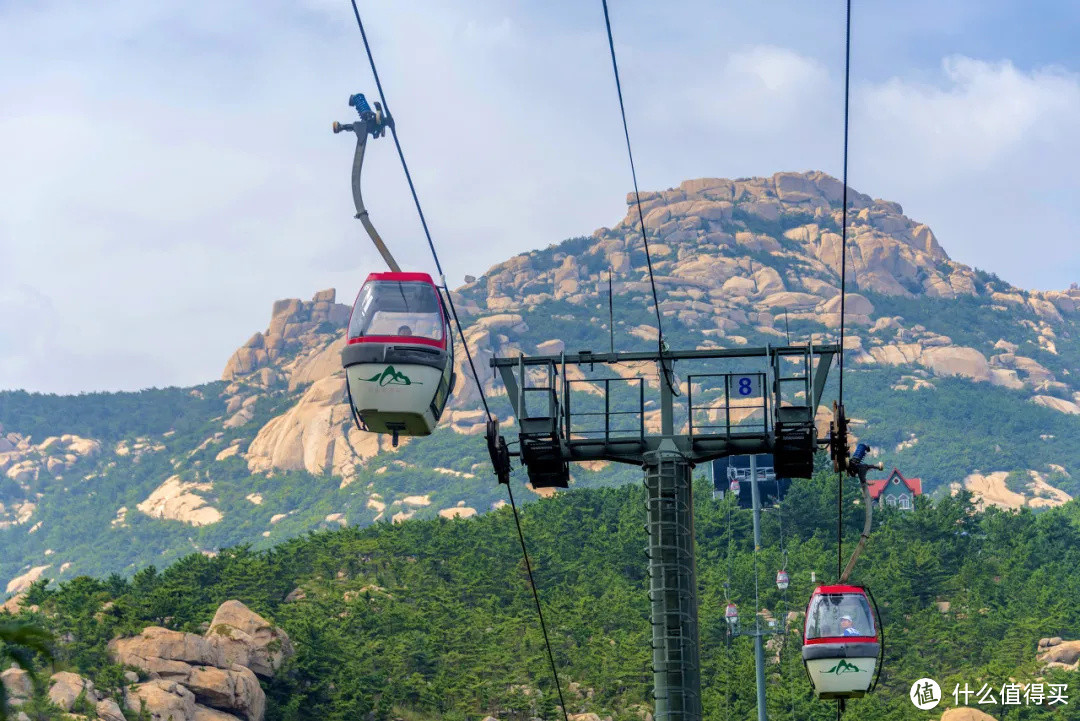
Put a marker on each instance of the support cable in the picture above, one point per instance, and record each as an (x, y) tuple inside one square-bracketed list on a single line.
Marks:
[(780, 520), (465, 345), (637, 194), (611, 313), (419, 210), (536, 599), (843, 285), (727, 599), (784, 593)]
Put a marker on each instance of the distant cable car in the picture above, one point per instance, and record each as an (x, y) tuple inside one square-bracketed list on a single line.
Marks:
[(399, 359), (731, 614), (841, 643), (734, 486), (782, 579)]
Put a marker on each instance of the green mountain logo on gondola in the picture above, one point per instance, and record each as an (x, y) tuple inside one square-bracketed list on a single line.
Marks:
[(391, 377), (843, 667)]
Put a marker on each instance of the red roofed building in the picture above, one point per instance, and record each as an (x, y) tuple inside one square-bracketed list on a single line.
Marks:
[(896, 490)]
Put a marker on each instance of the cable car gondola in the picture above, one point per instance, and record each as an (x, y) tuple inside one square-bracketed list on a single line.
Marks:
[(841, 642), (399, 358)]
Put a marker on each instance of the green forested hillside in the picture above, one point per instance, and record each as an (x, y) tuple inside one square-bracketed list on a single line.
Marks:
[(80, 524), (434, 619), (110, 416)]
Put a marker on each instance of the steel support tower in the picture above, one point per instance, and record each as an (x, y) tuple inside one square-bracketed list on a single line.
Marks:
[(769, 407), (672, 585)]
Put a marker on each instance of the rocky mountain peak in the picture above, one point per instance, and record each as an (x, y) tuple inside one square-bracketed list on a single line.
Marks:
[(711, 230), (294, 324)]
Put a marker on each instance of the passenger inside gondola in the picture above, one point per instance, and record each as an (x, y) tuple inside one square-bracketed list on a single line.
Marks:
[(848, 627), (838, 615), (392, 308)]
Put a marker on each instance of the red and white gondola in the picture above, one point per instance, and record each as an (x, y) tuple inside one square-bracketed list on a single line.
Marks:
[(399, 357), (841, 642)]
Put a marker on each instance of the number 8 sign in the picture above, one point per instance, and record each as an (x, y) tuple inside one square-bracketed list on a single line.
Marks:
[(744, 386)]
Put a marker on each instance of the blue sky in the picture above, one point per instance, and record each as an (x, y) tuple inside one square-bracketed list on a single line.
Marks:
[(169, 171)]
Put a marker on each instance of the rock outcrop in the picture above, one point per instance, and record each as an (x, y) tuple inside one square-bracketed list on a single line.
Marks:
[(956, 361), (64, 689), (205, 677), (17, 683), (177, 500), (991, 489), (23, 582), (25, 464), (293, 324), (21, 460), (235, 688), (942, 360), (965, 713), (248, 639), (304, 437), (890, 253), (458, 512), (109, 710), (165, 652), (1057, 404), (163, 700), (1058, 653), (317, 434)]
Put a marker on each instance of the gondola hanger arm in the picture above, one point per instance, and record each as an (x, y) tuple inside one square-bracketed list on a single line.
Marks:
[(374, 123), (857, 468)]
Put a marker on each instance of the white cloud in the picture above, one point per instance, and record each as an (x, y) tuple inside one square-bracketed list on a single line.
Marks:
[(753, 111), (779, 76), (986, 154), (974, 118)]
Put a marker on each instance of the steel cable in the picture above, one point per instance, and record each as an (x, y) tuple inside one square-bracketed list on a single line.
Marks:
[(419, 210), (536, 599), (843, 286), (465, 345), (637, 194)]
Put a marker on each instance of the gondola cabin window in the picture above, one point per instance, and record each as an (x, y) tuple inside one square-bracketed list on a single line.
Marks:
[(398, 309), (838, 615)]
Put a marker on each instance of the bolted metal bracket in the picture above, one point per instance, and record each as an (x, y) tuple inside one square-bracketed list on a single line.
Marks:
[(498, 451), (838, 439), (373, 122)]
